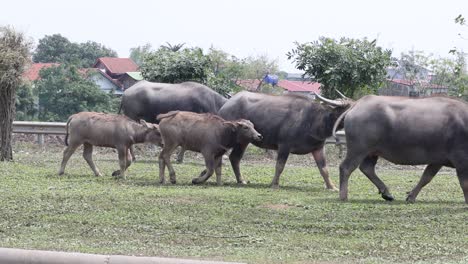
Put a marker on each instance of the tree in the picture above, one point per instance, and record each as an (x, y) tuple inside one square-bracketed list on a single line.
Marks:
[(64, 91), (90, 51), (56, 48), (256, 68), (223, 72), (171, 47), (349, 65), (26, 107), (138, 54), (14, 55), (165, 65)]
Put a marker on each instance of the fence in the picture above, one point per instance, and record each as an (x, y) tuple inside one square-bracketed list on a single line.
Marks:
[(58, 128)]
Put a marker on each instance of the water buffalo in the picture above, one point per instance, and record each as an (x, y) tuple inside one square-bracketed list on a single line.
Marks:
[(145, 100), (106, 130), (289, 123), (208, 134), (407, 131)]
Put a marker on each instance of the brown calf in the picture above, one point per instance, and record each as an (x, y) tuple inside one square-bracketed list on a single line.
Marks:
[(208, 134), (106, 130)]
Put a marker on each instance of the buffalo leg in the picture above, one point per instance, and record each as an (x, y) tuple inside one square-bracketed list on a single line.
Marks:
[(132, 152), (319, 157), (283, 154), (165, 160), (180, 155), (368, 168), (218, 169), (235, 157), (210, 167), (88, 156), (349, 164), (67, 153), (130, 158), (123, 159), (462, 174), (428, 174)]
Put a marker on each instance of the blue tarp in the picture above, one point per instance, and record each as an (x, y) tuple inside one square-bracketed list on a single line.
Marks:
[(271, 79)]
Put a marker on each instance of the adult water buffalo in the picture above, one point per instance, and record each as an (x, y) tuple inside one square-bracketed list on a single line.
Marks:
[(288, 123), (432, 131), (145, 100)]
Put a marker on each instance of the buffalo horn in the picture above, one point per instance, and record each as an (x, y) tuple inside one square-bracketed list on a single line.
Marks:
[(342, 95), (330, 102)]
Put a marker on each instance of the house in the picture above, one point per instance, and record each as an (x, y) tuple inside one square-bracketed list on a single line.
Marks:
[(32, 73), (115, 67), (287, 86), (402, 87), (105, 82), (110, 74), (130, 78)]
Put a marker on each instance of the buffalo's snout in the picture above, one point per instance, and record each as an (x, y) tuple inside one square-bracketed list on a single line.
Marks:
[(258, 137)]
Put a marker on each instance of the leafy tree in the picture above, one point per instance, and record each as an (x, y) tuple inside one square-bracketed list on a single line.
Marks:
[(137, 54), (56, 48), (14, 55), (349, 65), (258, 67), (26, 107), (223, 72), (90, 51), (169, 66), (171, 47), (64, 91)]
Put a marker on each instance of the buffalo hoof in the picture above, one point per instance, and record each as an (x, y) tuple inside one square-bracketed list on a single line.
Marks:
[(332, 188), (275, 186), (60, 173), (388, 196), (178, 161), (116, 173), (242, 183), (410, 199), (196, 181), (173, 181)]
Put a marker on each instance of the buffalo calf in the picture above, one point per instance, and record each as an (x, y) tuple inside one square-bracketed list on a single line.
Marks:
[(208, 134), (106, 130)]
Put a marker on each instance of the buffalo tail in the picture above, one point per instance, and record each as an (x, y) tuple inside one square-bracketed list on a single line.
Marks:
[(66, 129)]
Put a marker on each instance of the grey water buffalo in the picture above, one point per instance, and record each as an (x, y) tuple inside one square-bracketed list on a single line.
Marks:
[(145, 100), (106, 130), (208, 134), (288, 123), (407, 131)]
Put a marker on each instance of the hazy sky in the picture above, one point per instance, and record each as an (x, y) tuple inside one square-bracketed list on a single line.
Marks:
[(243, 27)]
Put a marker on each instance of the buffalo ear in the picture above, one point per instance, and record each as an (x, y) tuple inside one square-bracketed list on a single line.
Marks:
[(143, 122), (231, 125)]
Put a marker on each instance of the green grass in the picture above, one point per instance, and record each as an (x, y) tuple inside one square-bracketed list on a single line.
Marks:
[(299, 223)]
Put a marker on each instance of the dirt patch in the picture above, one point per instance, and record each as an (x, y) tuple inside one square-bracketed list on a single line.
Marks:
[(279, 207)]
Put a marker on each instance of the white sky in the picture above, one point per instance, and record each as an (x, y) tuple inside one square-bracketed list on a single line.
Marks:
[(243, 27)]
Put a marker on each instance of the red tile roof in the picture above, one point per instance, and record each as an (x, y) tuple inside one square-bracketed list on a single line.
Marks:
[(32, 73), (118, 65), (290, 86), (299, 86)]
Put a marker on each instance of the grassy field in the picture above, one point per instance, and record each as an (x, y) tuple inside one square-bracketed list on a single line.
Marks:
[(299, 223)]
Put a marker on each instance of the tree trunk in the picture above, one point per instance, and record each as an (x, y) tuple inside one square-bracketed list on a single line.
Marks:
[(7, 113)]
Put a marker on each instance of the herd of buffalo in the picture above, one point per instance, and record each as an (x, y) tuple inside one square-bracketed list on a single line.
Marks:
[(409, 131)]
